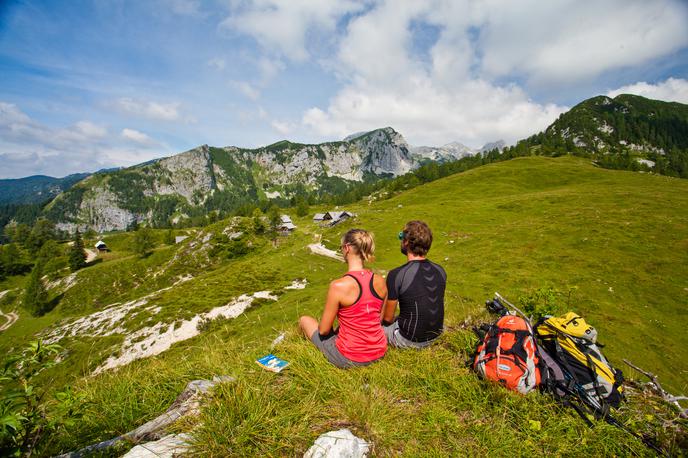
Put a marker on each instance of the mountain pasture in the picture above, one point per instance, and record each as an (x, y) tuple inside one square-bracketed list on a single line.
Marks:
[(610, 245)]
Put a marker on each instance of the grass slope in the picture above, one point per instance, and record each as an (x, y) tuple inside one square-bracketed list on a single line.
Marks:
[(617, 241)]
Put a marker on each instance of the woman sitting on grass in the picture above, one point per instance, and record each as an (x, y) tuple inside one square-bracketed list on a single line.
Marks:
[(356, 301)]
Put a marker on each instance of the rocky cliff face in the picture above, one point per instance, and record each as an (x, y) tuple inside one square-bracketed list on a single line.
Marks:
[(452, 151), (382, 152), (385, 152), (184, 182), (100, 210), (186, 174)]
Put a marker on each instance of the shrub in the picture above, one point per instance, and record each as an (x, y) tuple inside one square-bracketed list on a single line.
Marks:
[(541, 302), (143, 241), (35, 294), (24, 418)]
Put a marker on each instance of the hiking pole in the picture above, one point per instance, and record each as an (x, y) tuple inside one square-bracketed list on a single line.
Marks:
[(647, 442), (591, 403), (500, 297)]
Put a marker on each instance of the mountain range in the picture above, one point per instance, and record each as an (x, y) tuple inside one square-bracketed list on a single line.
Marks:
[(36, 188), (627, 131), (209, 178)]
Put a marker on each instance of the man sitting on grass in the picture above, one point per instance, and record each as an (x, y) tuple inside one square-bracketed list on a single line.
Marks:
[(418, 287)]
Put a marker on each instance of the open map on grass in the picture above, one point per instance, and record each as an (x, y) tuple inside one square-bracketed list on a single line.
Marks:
[(272, 363)]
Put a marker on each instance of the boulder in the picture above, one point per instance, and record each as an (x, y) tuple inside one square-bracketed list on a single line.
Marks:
[(338, 444), (169, 446)]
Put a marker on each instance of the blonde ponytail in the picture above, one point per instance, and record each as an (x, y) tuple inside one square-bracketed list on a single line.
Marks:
[(362, 242)]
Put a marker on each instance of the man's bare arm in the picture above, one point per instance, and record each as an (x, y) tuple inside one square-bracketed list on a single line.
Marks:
[(389, 309)]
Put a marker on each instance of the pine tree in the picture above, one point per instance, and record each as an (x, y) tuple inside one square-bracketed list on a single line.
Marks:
[(77, 255), (35, 294), (42, 231), (259, 226), (169, 237), (143, 241), (274, 217), (301, 206)]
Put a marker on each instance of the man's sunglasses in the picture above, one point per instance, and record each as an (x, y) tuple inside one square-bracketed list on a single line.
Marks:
[(401, 235)]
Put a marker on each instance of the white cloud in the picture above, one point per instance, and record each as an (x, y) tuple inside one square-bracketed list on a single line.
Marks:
[(247, 89), (16, 127), (149, 109), (137, 136), (284, 26), (268, 69), (671, 90), (450, 93), (567, 40), (283, 127), (10, 115), (217, 63), (474, 112), (431, 99), (459, 83), (28, 147), (90, 130)]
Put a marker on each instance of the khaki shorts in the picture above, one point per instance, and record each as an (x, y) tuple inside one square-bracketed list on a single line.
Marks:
[(395, 339), (329, 348)]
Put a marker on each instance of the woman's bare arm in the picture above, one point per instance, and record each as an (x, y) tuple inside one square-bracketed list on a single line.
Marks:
[(331, 307)]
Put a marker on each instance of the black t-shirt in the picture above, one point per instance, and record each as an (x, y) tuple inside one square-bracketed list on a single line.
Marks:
[(419, 287)]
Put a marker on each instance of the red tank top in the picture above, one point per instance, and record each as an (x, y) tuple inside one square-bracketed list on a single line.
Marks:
[(361, 337)]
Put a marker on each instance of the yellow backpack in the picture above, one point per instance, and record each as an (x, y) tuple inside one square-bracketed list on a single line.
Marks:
[(572, 343)]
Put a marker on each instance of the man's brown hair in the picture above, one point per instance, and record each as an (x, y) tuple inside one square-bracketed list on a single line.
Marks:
[(419, 237)]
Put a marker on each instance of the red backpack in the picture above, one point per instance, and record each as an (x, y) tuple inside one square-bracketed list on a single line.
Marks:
[(508, 355)]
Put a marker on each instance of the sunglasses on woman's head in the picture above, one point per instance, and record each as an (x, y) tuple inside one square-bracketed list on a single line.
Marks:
[(401, 235)]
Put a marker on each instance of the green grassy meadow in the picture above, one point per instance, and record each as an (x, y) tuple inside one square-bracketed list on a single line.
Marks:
[(613, 244)]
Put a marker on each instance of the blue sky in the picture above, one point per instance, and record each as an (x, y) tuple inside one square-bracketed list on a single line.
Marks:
[(91, 84)]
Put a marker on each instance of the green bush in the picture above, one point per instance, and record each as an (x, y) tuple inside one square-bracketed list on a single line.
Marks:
[(542, 302), (24, 418), (143, 241)]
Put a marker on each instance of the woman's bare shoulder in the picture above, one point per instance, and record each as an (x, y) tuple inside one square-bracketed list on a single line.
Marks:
[(342, 283), (380, 284)]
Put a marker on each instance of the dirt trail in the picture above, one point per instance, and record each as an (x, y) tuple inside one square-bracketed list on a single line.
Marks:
[(90, 255), (10, 317), (318, 248)]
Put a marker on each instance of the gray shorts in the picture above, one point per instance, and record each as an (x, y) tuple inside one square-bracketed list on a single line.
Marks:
[(395, 339), (332, 353)]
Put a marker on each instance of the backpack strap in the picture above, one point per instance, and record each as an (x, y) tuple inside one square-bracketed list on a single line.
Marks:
[(604, 407)]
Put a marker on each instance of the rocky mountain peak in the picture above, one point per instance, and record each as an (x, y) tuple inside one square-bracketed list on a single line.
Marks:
[(499, 144), (169, 188)]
